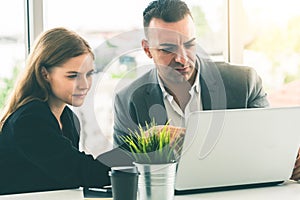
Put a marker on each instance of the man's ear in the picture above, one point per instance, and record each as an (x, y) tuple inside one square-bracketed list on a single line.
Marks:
[(145, 45), (45, 73)]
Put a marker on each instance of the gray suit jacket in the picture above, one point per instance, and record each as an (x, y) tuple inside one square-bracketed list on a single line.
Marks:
[(223, 86)]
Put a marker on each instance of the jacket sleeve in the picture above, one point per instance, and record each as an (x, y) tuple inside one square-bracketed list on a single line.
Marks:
[(38, 138), (257, 97), (124, 117)]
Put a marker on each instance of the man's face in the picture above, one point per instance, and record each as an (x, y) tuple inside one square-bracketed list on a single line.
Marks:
[(172, 47)]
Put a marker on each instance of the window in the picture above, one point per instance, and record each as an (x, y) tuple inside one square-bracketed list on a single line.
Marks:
[(12, 45), (272, 46), (259, 37), (211, 25), (115, 33), (263, 34)]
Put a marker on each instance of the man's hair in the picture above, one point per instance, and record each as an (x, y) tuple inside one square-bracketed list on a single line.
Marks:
[(167, 10)]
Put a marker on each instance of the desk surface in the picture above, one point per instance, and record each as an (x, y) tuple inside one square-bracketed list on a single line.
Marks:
[(289, 190)]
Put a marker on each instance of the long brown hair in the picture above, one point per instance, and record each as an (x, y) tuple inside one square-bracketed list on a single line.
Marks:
[(52, 48)]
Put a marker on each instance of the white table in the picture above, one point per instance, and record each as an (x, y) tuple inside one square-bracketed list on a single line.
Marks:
[(75, 194), (290, 191)]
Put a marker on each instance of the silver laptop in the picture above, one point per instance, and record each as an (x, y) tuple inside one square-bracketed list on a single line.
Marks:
[(226, 149)]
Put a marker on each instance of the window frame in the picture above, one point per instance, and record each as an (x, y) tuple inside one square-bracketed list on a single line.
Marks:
[(34, 16), (34, 21)]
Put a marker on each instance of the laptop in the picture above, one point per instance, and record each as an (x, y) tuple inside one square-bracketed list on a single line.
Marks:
[(231, 149)]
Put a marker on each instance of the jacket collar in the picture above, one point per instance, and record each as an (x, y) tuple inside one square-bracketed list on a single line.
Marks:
[(213, 93)]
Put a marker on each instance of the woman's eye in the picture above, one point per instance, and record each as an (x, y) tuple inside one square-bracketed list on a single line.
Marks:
[(72, 76)]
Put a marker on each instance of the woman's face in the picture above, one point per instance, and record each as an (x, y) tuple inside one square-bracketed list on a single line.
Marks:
[(71, 81)]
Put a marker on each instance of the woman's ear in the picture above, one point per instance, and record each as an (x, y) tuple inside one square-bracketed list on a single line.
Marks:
[(145, 45), (45, 73)]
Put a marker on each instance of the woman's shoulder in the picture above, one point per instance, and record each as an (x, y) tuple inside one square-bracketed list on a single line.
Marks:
[(29, 113), (34, 107)]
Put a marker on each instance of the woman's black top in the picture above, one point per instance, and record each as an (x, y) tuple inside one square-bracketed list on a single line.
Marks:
[(37, 155)]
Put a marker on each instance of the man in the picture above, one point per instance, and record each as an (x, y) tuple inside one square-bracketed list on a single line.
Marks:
[(184, 79)]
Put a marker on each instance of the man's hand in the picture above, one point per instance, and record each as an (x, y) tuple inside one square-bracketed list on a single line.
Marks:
[(296, 171), (175, 132), (176, 137)]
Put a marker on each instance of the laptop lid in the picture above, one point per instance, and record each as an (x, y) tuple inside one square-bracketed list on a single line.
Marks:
[(238, 147)]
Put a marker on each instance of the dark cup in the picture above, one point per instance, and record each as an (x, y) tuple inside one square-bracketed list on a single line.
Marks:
[(124, 181)]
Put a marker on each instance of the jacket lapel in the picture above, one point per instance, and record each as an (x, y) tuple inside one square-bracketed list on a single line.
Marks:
[(212, 93), (153, 99), (212, 87)]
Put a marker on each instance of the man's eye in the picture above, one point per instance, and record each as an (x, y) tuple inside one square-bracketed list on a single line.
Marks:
[(167, 50), (188, 46), (90, 73)]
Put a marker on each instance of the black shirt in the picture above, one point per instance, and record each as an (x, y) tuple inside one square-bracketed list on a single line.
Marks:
[(36, 155)]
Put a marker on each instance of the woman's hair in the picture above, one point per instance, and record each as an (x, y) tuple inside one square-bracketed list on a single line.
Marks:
[(51, 49)]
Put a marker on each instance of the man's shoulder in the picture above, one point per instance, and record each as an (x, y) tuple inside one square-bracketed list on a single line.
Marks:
[(232, 66), (233, 74), (230, 69)]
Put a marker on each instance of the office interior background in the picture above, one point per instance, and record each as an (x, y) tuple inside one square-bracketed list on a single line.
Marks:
[(263, 34)]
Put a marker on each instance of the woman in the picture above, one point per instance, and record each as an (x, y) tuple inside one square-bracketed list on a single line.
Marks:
[(39, 133)]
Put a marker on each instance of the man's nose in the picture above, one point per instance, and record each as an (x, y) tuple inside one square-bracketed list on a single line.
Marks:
[(181, 56)]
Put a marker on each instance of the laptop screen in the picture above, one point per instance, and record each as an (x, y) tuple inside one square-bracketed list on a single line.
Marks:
[(238, 147)]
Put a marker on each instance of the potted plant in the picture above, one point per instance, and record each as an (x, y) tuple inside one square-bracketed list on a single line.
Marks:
[(153, 150)]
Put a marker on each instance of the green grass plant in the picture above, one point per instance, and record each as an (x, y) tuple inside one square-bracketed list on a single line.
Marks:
[(151, 145)]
